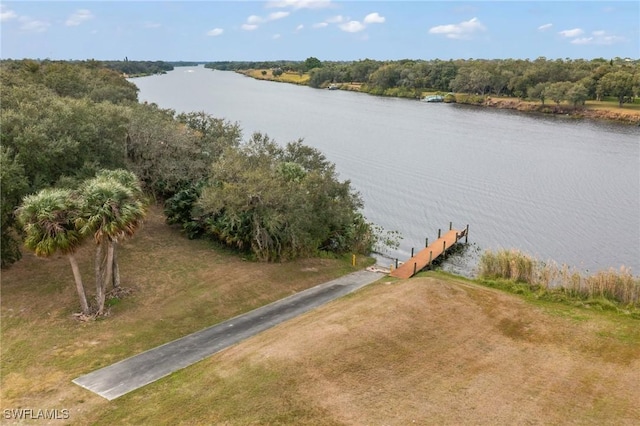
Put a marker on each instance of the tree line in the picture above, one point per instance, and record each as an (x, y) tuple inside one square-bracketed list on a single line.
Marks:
[(78, 151), (537, 79)]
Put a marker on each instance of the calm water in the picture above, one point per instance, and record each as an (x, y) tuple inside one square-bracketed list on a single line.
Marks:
[(560, 189)]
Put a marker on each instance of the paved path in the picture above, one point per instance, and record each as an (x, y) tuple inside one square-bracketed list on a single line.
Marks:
[(132, 373)]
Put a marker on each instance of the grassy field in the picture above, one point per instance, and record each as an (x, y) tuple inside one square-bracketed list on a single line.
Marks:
[(286, 77), (431, 350)]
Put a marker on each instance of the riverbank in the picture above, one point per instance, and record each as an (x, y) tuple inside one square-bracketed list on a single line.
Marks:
[(594, 110), (591, 110)]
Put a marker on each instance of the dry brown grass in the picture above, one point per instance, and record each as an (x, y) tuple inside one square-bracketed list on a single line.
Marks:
[(430, 350), (421, 351), (180, 286), (286, 77)]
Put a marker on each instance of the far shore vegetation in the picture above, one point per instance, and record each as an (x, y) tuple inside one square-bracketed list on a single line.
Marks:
[(598, 88)]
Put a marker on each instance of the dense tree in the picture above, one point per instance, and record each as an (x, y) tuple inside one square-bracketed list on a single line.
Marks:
[(311, 63), (576, 94), (557, 91), (281, 203), (168, 155), (13, 185), (619, 84), (538, 92)]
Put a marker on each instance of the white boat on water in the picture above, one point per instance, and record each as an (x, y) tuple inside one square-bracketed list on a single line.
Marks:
[(433, 98)]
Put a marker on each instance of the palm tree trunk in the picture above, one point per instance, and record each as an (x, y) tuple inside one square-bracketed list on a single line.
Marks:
[(99, 271), (107, 277), (79, 286), (116, 269)]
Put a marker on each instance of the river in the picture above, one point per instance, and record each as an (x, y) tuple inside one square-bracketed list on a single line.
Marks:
[(561, 189)]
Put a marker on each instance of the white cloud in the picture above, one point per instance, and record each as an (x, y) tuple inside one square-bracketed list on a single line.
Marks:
[(6, 14), (462, 31), (300, 4), (78, 17), (583, 40), (335, 19), (320, 25), (215, 32), (374, 18), (299, 27), (254, 19), (276, 36), (610, 39), (277, 15), (33, 25), (352, 26), (600, 38), (571, 33), (544, 27)]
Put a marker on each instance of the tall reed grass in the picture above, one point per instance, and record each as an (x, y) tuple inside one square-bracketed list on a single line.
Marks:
[(616, 285)]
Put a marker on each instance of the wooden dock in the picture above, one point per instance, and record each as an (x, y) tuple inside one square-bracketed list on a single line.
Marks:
[(426, 256)]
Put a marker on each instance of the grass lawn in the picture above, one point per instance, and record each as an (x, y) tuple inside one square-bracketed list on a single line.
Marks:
[(286, 77), (434, 349), (179, 286)]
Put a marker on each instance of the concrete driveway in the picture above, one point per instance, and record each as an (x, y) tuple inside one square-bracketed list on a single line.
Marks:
[(139, 370)]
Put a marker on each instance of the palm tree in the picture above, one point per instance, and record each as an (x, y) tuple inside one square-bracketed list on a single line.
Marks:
[(129, 180), (110, 211), (49, 219)]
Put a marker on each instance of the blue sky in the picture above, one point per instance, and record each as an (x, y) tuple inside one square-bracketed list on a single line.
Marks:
[(326, 29)]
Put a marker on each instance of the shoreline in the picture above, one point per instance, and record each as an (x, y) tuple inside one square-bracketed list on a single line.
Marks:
[(623, 117), (590, 111)]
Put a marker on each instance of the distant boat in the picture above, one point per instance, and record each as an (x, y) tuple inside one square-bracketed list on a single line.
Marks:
[(433, 98), (333, 87)]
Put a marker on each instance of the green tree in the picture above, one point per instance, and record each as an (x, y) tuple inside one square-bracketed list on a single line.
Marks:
[(311, 63), (557, 91), (13, 186), (619, 84), (538, 92), (577, 94), (49, 219), (281, 203)]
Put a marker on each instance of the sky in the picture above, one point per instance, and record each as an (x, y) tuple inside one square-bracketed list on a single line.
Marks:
[(329, 30)]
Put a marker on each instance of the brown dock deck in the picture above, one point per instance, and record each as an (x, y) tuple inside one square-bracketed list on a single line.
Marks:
[(429, 254)]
